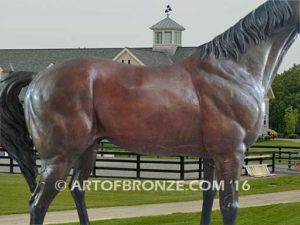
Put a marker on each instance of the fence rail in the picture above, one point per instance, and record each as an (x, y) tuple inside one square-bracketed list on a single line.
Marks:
[(142, 164), (287, 154), (114, 162)]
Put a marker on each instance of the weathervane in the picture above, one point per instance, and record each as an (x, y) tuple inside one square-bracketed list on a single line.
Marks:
[(168, 10)]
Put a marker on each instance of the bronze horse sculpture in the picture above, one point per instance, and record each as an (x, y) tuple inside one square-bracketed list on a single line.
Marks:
[(208, 105)]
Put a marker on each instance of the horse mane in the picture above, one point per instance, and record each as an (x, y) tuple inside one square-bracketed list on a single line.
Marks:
[(254, 28)]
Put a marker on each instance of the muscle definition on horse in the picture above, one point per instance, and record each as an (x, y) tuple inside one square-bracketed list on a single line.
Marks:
[(209, 105)]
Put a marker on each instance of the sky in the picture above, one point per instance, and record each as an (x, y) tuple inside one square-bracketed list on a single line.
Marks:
[(31, 24)]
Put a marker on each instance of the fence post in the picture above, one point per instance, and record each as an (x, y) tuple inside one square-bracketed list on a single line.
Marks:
[(246, 160), (101, 147), (94, 169), (181, 168), (260, 160), (290, 160), (273, 162), (11, 165), (138, 166), (200, 168), (280, 154)]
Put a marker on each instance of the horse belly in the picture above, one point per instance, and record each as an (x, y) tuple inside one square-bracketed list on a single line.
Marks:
[(158, 135), (152, 126)]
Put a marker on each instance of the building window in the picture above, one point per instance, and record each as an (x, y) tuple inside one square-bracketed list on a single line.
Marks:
[(177, 37), (167, 37), (158, 37), (128, 61)]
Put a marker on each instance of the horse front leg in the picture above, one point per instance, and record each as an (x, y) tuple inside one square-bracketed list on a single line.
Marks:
[(228, 168), (208, 195)]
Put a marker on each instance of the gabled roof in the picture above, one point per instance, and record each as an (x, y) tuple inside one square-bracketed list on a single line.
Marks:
[(151, 58), (38, 59), (127, 51), (167, 24)]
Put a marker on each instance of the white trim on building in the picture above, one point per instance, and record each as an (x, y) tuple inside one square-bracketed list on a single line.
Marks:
[(126, 56)]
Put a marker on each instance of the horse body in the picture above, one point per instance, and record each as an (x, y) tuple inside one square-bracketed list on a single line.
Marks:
[(129, 104), (211, 105)]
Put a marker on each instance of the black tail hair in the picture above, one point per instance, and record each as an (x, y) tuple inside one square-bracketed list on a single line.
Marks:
[(14, 136)]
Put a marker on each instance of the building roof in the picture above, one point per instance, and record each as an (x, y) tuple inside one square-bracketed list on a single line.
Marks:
[(182, 53), (151, 58), (38, 59), (167, 24)]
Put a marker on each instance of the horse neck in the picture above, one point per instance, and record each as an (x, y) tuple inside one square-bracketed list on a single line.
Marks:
[(262, 61)]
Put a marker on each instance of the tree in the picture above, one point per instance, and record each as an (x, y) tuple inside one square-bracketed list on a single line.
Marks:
[(286, 87), (291, 120)]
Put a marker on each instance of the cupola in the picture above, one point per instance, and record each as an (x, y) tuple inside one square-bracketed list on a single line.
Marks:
[(167, 35)]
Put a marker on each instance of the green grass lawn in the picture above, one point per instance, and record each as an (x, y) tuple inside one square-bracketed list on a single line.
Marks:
[(278, 143), (281, 214), (14, 194), (282, 143)]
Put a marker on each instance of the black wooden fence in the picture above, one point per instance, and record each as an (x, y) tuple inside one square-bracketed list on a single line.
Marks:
[(112, 159), (114, 162), (139, 164), (283, 154)]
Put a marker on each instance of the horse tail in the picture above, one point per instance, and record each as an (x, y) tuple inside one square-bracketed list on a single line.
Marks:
[(14, 136)]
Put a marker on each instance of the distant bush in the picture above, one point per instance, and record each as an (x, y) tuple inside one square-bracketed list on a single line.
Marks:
[(293, 136), (264, 137)]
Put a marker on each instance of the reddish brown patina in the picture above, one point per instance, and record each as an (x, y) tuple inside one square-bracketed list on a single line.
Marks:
[(209, 105)]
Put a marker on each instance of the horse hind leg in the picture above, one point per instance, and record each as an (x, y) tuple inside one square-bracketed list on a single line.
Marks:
[(82, 171), (53, 171), (208, 195)]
